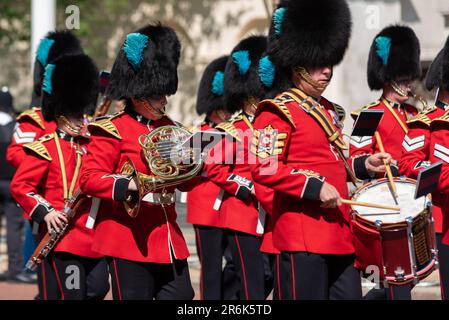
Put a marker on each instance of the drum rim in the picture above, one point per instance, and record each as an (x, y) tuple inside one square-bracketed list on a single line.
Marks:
[(420, 274)]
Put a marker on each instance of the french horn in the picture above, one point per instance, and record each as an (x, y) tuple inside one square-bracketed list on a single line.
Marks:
[(170, 164)]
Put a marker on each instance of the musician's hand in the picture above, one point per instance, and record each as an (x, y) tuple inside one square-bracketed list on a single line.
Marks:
[(329, 196), (375, 162), (55, 220), (132, 186)]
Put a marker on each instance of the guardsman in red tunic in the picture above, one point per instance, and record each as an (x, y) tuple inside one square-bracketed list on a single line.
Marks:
[(393, 65), (215, 281), (298, 144), (243, 205), (31, 125), (147, 253), (429, 145), (49, 176)]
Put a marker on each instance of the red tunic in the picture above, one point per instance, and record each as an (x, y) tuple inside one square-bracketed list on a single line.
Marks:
[(439, 152), (239, 208), (38, 187), (201, 199), (294, 158), (416, 155), (390, 130), (154, 232), (30, 127)]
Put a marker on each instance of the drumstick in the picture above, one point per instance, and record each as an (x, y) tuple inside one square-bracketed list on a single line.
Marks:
[(387, 167), (370, 205)]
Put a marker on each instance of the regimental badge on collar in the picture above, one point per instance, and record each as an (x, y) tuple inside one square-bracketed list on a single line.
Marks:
[(267, 142)]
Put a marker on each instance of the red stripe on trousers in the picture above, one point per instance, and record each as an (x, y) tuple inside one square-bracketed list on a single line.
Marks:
[(293, 276), (57, 278), (243, 266), (116, 280), (44, 278), (201, 261), (279, 277)]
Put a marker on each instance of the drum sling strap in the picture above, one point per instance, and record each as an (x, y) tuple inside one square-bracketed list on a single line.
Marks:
[(314, 109)]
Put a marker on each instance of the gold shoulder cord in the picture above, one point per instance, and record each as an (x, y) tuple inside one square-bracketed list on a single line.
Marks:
[(68, 193), (395, 115)]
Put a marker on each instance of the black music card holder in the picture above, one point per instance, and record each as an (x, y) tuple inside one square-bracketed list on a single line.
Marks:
[(367, 123), (427, 181)]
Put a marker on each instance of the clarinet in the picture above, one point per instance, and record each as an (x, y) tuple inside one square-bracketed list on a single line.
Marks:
[(52, 238)]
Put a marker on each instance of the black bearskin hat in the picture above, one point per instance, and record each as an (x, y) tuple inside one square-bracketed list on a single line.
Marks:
[(146, 65), (438, 74), (308, 33), (52, 46), (70, 87), (241, 78), (394, 55), (211, 89)]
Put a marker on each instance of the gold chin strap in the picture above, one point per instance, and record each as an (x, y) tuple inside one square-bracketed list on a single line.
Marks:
[(69, 125), (303, 73), (398, 90)]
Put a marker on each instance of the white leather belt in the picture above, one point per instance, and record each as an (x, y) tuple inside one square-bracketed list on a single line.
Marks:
[(160, 198)]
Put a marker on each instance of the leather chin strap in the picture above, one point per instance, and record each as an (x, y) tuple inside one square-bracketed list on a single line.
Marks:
[(253, 103), (220, 115), (153, 111), (303, 73)]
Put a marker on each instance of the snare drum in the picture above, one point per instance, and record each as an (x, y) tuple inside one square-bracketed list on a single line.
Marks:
[(401, 244)]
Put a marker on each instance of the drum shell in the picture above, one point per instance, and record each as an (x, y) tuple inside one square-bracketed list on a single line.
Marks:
[(387, 247)]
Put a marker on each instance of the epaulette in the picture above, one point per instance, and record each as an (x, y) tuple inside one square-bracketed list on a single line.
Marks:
[(106, 125), (33, 115), (443, 118), (107, 116), (355, 114), (340, 112), (279, 102), (229, 128), (429, 110), (420, 118), (39, 148)]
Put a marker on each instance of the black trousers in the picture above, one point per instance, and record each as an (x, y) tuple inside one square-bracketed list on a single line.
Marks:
[(14, 229), (216, 282), (443, 257), (309, 276), (245, 249), (271, 284), (46, 279), (81, 278), (231, 280), (133, 280)]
